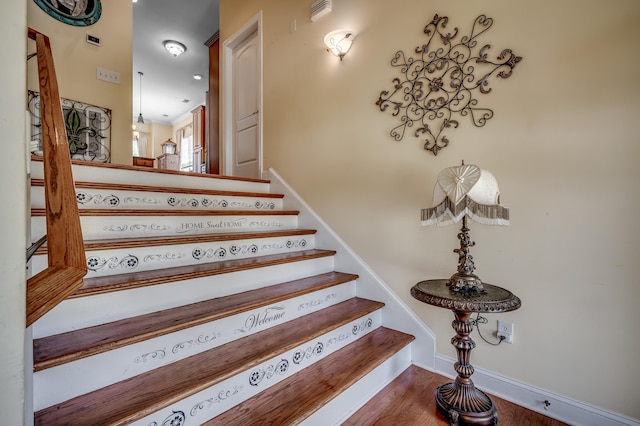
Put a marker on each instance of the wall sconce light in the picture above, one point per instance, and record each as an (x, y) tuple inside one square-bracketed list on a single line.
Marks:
[(174, 47), (339, 42)]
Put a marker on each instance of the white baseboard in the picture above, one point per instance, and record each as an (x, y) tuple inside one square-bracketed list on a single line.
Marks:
[(561, 408)]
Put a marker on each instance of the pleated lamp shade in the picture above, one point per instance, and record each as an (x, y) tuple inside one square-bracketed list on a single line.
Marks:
[(465, 190)]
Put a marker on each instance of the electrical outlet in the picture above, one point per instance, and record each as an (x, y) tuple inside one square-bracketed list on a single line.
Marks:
[(505, 329), (106, 75)]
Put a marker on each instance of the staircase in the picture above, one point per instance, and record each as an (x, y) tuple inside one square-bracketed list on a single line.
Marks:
[(212, 300)]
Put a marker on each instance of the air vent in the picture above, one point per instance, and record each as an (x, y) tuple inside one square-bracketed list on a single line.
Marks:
[(319, 8)]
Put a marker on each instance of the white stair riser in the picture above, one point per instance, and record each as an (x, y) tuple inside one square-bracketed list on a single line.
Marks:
[(81, 312), (91, 373), (110, 227), (339, 409), (83, 173), (89, 198), (138, 259), (211, 402)]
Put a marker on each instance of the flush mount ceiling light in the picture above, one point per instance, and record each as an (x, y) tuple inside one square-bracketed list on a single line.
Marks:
[(339, 42), (174, 47), (197, 76)]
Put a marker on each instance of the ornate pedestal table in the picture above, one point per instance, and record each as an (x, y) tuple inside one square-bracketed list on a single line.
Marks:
[(460, 401)]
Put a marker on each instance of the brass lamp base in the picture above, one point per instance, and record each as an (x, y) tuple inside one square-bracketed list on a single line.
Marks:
[(465, 281)]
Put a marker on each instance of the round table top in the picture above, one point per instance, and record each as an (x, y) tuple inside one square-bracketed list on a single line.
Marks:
[(437, 293)]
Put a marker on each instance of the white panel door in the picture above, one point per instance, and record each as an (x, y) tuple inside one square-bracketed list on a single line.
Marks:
[(246, 115)]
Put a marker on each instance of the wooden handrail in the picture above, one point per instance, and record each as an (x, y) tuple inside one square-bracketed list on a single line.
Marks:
[(66, 258)]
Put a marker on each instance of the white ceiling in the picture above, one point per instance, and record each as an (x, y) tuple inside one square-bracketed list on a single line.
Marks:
[(167, 81)]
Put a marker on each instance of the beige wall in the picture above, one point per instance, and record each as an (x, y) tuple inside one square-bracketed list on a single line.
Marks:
[(13, 215), (187, 121), (76, 62), (161, 133), (157, 134), (563, 145)]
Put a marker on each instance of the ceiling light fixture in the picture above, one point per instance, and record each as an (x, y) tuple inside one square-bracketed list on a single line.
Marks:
[(197, 76), (174, 47), (339, 42), (140, 119)]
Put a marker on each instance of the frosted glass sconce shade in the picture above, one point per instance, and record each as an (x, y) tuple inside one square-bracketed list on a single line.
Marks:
[(339, 42)]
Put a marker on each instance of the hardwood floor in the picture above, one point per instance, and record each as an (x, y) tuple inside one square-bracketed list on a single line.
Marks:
[(410, 400)]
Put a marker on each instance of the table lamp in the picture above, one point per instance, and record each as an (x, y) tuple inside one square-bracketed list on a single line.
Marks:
[(462, 192)]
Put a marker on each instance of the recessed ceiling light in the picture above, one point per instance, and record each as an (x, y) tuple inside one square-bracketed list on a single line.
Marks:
[(197, 76)]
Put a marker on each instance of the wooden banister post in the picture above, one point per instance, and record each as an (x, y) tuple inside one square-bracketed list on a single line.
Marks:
[(65, 246)]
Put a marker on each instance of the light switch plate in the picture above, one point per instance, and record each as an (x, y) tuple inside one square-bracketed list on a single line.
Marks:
[(108, 76)]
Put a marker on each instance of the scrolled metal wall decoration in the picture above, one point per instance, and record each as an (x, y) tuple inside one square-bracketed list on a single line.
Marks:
[(440, 83), (88, 128)]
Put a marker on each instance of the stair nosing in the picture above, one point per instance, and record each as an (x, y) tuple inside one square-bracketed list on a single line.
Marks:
[(37, 182), (302, 330), (122, 243), (40, 212), (162, 276), (40, 159), (170, 324)]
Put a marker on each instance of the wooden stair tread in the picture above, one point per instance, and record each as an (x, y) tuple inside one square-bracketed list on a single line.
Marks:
[(70, 346), (146, 393), (105, 284), (93, 245), (164, 189), (413, 384), (297, 397), (152, 170), (37, 212)]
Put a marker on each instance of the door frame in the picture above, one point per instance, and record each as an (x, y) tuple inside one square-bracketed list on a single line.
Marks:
[(228, 101)]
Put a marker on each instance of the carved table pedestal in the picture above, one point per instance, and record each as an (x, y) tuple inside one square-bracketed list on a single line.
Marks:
[(460, 401)]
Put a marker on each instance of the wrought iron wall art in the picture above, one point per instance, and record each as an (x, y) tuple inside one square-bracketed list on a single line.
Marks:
[(88, 128), (439, 85), (72, 12)]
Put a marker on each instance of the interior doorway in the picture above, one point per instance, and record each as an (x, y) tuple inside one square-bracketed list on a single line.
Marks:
[(242, 101)]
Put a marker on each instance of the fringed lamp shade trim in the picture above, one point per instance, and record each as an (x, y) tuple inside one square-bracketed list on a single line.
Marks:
[(465, 190), (447, 213)]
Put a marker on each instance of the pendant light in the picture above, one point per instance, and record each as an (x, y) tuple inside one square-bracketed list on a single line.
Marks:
[(140, 119)]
